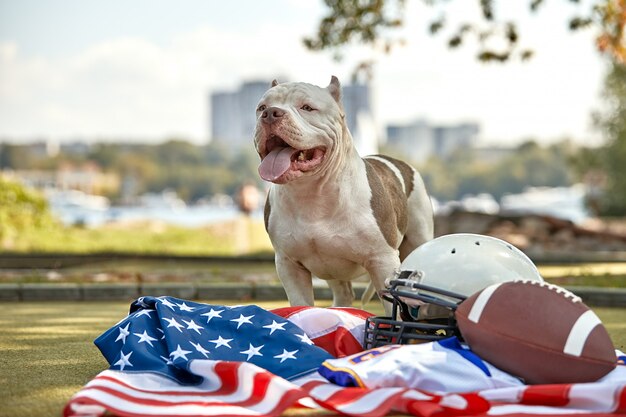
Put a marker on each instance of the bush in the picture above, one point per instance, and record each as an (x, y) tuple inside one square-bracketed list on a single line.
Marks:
[(21, 210)]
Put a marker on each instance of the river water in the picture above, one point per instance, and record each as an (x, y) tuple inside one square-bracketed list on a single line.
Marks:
[(189, 216)]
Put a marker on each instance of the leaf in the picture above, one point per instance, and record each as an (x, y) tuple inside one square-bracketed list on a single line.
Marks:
[(579, 23), (534, 5), (526, 55), (455, 41), (511, 32), (436, 26)]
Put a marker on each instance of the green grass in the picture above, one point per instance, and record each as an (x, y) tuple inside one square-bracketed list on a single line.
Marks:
[(47, 352), (239, 236), (591, 274)]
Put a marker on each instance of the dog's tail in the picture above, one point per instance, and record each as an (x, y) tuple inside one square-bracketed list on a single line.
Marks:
[(368, 294)]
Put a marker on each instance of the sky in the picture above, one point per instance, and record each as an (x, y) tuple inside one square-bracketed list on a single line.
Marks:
[(142, 70)]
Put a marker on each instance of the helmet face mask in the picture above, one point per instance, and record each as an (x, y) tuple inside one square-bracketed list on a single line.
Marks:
[(435, 278), (406, 324)]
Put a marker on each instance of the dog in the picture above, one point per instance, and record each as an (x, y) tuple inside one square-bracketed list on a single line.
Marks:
[(330, 213)]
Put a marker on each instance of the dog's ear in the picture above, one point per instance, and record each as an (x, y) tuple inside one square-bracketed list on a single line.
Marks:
[(274, 83), (335, 88)]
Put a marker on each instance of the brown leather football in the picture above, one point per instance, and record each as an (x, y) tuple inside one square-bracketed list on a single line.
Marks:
[(539, 332)]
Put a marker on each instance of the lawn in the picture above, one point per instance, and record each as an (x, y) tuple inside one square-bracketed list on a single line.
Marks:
[(48, 352), (239, 236)]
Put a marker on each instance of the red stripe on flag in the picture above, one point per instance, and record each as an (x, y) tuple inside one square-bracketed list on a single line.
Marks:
[(287, 312), (550, 395), (363, 402), (339, 343), (122, 398)]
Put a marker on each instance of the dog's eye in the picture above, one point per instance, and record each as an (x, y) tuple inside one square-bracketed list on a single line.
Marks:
[(261, 107), (306, 107)]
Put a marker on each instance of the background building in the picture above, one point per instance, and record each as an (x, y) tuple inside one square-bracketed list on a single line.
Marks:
[(357, 103), (420, 140), (233, 113)]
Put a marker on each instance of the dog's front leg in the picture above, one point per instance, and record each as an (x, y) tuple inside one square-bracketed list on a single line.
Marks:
[(296, 280), (343, 295), (381, 269)]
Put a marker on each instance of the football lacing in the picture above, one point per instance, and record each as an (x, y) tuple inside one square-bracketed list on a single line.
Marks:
[(559, 290)]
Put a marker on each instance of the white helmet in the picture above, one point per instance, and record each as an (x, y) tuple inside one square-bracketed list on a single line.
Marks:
[(436, 277), (465, 263)]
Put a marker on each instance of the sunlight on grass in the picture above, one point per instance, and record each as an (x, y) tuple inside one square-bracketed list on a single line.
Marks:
[(235, 237), (552, 271), (21, 336)]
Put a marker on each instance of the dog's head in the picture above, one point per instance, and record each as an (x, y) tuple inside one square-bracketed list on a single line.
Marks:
[(299, 127)]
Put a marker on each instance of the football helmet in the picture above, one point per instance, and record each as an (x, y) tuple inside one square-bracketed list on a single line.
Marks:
[(435, 278)]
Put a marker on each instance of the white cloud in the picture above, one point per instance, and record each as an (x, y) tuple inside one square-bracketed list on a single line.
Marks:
[(131, 87)]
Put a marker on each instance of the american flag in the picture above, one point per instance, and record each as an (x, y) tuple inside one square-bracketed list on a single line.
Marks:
[(172, 357), (163, 335)]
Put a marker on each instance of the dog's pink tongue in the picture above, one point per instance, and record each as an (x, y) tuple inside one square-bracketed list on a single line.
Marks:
[(276, 163)]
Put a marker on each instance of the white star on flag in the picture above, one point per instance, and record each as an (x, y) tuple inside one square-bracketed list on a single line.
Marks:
[(286, 355), (275, 326), (167, 361), (242, 319), (123, 333), (167, 302), (200, 349), (185, 307), (123, 362), (253, 351), (145, 337), (143, 313), (304, 338), (220, 341), (212, 313), (180, 353), (173, 323), (191, 325)]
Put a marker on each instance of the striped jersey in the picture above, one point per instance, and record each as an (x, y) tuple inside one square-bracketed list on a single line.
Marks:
[(440, 367)]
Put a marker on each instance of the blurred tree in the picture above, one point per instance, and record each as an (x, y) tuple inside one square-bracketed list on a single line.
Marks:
[(529, 165), (105, 154), (245, 167), (377, 22), (15, 156), (177, 152), (21, 210), (612, 158)]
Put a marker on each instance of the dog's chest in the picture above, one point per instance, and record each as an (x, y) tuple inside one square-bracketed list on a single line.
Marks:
[(331, 247)]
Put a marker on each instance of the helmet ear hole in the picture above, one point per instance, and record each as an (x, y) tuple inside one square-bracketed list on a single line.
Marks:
[(453, 250)]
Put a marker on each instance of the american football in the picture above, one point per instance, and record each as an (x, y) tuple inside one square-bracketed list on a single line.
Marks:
[(539, 332)]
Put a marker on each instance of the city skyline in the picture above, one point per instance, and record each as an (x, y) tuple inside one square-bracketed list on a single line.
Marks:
[(143, 70)]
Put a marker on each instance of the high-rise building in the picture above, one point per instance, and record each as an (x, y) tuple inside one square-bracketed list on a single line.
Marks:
[(233, 113), (451, 138), (416, 140), (357, 103), (420, 140)]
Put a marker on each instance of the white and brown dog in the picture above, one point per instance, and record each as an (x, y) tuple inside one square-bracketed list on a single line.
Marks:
[(330, 213)]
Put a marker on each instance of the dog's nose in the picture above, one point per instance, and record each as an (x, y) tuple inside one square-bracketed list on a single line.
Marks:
[(272, 114)]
